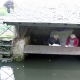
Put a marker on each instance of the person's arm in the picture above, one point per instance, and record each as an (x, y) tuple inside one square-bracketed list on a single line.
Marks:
[(76, 42), (5, 4), (58, 41), (13, 5), (67, 41)]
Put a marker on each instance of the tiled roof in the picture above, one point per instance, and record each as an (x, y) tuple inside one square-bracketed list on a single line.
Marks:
[(53, 14)]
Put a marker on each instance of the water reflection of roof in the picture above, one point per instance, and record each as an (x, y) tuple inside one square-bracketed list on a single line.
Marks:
[(35, 13)]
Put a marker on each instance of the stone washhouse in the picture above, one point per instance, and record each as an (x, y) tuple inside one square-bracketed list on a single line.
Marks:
[(34, 25)]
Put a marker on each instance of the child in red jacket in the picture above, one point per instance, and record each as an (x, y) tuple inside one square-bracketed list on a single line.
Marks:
[(72, 41)]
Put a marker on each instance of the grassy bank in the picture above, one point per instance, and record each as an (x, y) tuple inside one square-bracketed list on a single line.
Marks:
[(3, 11)]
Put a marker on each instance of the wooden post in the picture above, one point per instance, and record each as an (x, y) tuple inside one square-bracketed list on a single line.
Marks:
[(18, 46)]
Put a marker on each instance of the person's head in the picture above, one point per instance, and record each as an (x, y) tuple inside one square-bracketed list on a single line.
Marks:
[(56, 36), (73, 36)]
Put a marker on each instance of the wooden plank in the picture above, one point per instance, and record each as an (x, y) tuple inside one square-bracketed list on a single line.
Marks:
[(6, 45), (39, 49), (4, 52)]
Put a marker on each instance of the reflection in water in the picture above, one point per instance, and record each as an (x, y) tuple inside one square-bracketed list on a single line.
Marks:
[(6, 73), (42, 67)]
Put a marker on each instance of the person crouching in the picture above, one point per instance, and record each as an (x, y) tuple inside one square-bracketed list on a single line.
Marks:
[(54, 41), (72, 41)]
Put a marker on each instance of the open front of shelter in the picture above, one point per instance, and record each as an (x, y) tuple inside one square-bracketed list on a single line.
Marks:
[(32, 38)]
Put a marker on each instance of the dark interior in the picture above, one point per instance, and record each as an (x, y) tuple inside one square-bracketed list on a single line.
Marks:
[(39, 36)]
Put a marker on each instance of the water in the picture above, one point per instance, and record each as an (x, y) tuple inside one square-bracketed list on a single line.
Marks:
[(42, 67)]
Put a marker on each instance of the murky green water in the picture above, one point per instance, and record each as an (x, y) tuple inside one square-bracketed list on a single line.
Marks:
[(43, 68)]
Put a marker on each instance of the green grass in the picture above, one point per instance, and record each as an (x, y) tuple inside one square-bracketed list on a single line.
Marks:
[(3, 11)]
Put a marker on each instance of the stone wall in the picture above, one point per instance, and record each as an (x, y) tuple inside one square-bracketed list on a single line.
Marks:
[(18, 50)]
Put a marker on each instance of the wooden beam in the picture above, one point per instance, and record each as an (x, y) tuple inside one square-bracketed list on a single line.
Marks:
[(39, 49)]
